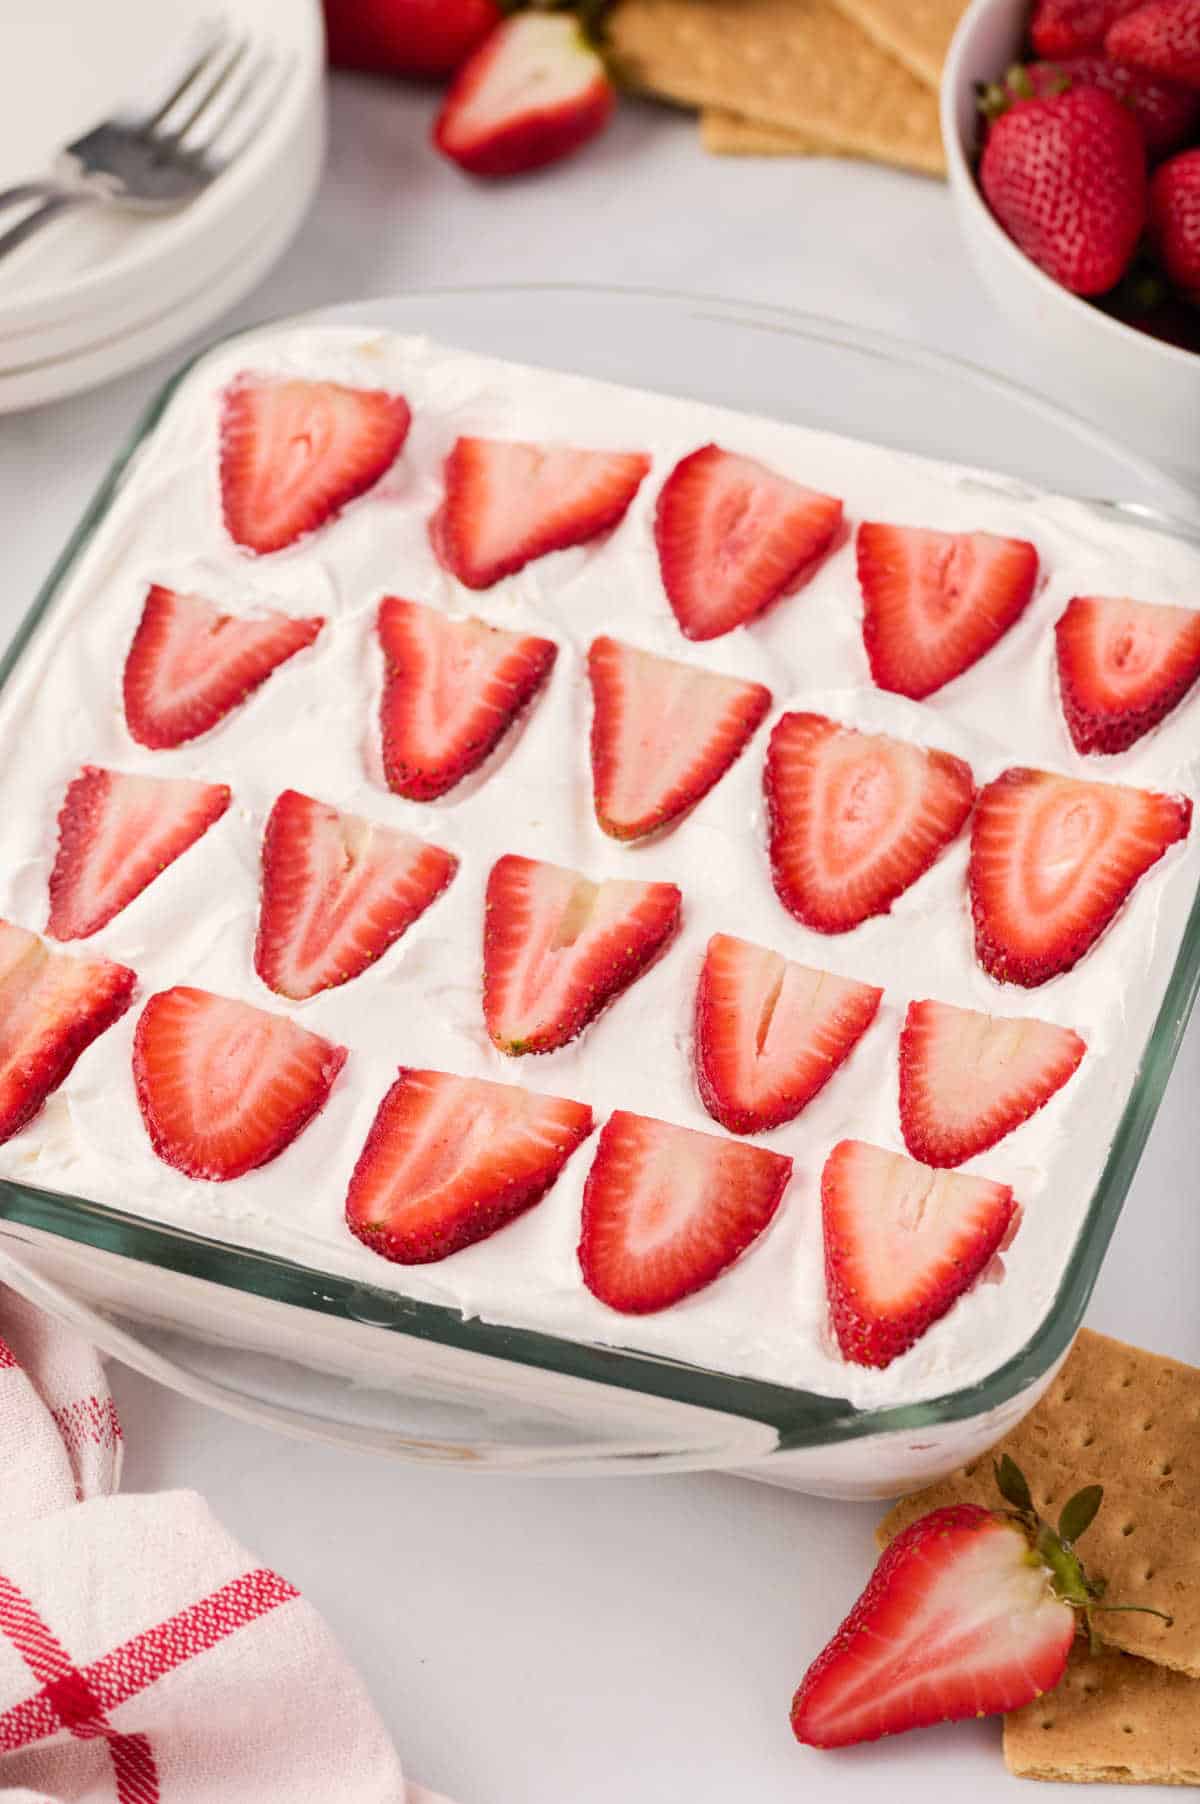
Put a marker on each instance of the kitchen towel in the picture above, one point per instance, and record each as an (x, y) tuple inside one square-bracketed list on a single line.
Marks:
[(146, 1658)]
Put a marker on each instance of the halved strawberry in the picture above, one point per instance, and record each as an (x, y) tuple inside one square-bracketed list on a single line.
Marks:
[(337, 891), (51, 1009), (1122, 666), (533, 91), (451, 690), (935, 602), (116, 833), (902, 1244), (190, 665), (224, 1087), (507, 503), (558, 948), (663, 733), (293, 453), (1052, 860), (965, 1615), (449, 1160), (733, 536), (968, 1079), (855, 818), (666, 1210), (770, 1033)]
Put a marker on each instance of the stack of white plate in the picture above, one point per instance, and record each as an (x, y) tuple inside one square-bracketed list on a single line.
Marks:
[(99, 291)]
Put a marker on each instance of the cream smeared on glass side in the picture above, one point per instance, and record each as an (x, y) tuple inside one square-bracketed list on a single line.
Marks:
[(313, 726)]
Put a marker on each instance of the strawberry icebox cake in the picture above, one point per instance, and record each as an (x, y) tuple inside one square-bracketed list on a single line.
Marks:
[(597, 862)]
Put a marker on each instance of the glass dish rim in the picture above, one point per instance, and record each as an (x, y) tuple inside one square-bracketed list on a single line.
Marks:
[(800, 1418)]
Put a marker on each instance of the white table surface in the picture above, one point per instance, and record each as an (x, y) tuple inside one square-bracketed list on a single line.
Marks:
[(577, 1641)]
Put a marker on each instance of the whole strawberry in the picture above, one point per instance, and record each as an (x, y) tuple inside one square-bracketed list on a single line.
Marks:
[(1065, 27), (406, 37), (1163, 37), (1066, 178), (1167, 113), (1175, 220)]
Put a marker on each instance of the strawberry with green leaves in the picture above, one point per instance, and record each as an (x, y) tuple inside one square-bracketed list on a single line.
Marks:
[(969, 1612)]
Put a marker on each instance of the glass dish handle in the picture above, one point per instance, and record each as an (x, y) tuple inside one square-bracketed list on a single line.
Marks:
[(503, 1422)]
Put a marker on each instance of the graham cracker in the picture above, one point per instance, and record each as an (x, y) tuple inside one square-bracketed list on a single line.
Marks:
[(728, 134), (1110, 1719), (1129, 1420), (798, 64), (916, 32)]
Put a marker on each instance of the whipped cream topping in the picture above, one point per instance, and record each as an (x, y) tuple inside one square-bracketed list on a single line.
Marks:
[(314, 726)]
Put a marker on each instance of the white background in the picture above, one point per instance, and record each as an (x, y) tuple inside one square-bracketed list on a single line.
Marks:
[(571, 1641)]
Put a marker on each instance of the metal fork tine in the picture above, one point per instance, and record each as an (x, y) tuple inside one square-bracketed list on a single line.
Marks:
[(176, 133), (261, 113), (235, 105), (190, 75)]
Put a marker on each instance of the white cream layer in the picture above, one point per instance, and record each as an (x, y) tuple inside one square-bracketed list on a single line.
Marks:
[(313, 726)]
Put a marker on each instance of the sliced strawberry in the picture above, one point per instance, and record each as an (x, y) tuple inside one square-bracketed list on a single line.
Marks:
[(190, 665), (449, 1160), (962, 1617), (935, 602), (293, 453), (558, 948), (663, 734), (51, 1009), (1052, 860), (451, 690), (337, 891), (770, 1033), (733, 536), (968, 1079), (855, 818), (115, 834), (224, 1087), (533, 91), (902, 1244), (1122, 666), (507, 503), (666, 1210)]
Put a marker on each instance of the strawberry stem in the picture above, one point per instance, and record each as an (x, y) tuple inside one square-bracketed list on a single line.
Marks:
[(1054, 1548)]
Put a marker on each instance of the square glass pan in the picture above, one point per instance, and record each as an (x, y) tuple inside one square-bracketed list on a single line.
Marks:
[(794, 367)]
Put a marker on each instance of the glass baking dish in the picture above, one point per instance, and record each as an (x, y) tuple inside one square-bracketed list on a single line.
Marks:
[(337, 1358)]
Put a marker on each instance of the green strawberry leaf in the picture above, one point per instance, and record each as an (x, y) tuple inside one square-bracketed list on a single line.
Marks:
[(1011, 1483), (1079, 1512)]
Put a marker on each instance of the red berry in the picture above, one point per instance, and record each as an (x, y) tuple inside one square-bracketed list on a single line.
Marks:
[(1163, 36), (1175, 219), (406, 37), (1066, 178)]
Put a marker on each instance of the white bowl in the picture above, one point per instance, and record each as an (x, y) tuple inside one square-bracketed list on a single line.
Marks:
[(1145, 392)]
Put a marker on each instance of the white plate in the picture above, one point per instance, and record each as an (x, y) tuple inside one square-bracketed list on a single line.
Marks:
[(131, 343), (98, 276)]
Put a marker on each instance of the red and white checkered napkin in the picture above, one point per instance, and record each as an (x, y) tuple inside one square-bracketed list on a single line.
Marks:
[(146, 1658)]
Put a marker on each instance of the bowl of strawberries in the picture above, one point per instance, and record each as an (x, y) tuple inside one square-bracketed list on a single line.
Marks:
[(1072, 132)]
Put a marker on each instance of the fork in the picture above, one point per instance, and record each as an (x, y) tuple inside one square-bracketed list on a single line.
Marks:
[(160, 160)]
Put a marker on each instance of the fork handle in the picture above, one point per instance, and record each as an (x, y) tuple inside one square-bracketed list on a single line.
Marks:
[(38, 190), (54, 204)]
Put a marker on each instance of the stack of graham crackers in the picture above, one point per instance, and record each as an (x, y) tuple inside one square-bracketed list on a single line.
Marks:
[(1130, 1421), (796, 77)]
